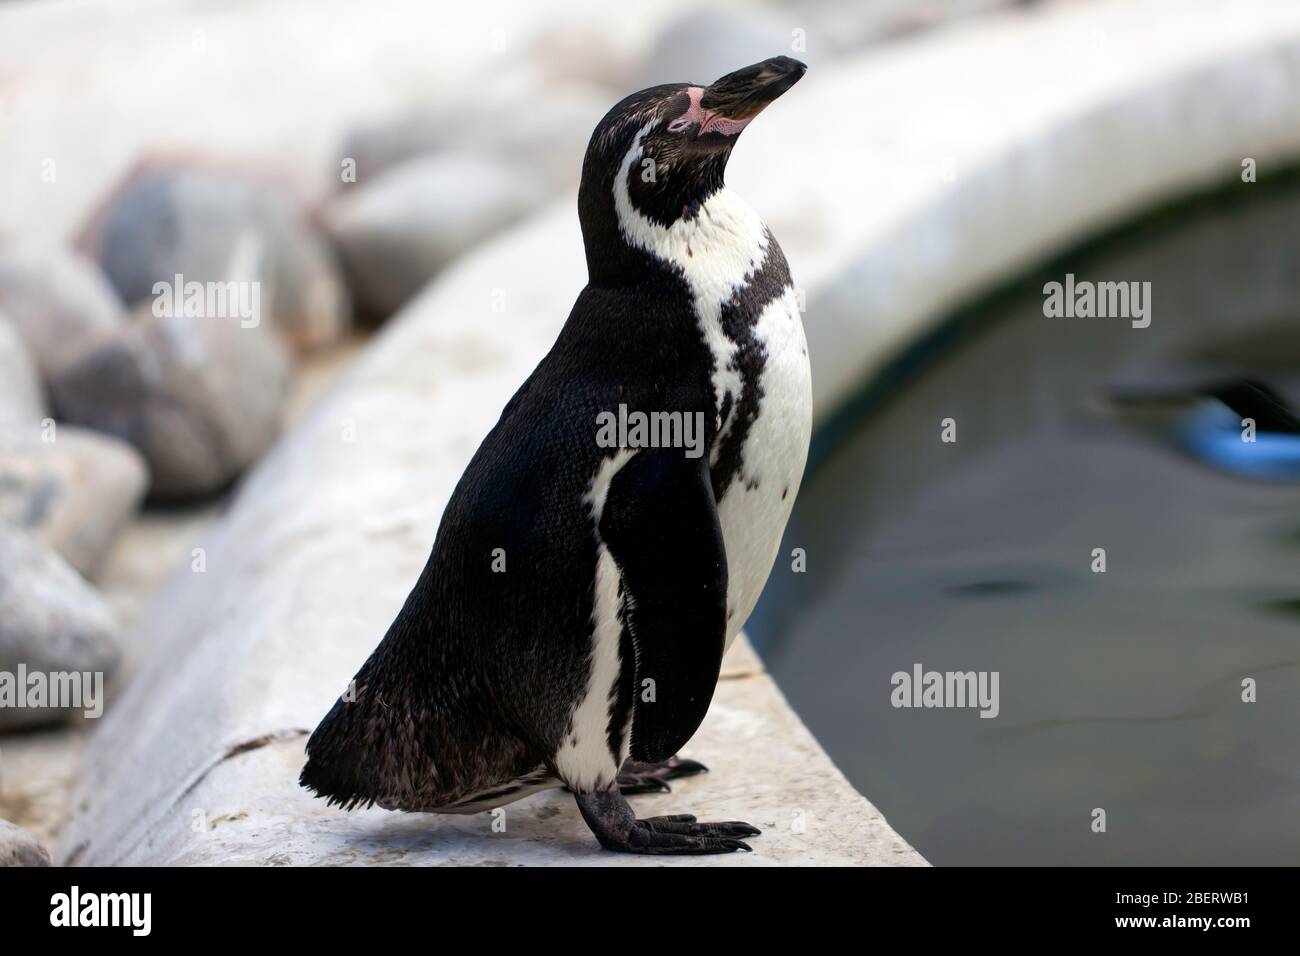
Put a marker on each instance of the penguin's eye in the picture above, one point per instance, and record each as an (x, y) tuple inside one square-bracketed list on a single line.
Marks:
[(679, 124)]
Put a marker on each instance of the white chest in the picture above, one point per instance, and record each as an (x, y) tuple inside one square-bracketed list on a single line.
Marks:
[(756, 504), (719, 252)]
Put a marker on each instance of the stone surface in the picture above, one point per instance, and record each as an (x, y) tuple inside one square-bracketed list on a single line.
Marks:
[(201, 398), (517, 115), (51, 620), (211, 226), (74, 493), (304, 574), (764, 767), (20, 848), (546, 134), (56, 298), (398, 230), (22, 404), (38, 768)]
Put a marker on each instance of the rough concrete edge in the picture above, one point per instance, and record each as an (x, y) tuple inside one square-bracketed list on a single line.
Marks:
[(861, 836)]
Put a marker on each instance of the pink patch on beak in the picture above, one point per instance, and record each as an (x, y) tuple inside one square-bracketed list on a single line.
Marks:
[(707, 120)]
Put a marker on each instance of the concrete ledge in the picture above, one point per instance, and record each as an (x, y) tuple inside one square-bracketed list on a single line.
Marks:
[(765, 767)]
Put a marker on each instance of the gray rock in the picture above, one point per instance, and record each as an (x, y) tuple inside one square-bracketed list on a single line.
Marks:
[(210, 227), (22, 403), (376, 146), (548, 133), (51, 620), (20, 848), (55, 297), (74, 493), (399, 230), (201, 398)]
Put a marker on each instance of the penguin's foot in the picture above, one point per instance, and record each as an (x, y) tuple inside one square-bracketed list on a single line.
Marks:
[(617, 828), (636, 777)]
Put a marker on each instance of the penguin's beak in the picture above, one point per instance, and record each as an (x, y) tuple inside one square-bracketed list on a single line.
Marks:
[(742, 95)]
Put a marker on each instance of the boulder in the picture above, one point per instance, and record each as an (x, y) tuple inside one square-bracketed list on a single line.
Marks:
[(73, 493), (546, 134), (372, 147), (213, 227), (51, 621), (397, 231), (547, 131), (20, 848), (201, 398), (56, 298)]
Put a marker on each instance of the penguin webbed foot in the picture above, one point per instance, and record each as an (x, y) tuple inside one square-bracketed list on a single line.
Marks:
[(638, 777), (617, 828)]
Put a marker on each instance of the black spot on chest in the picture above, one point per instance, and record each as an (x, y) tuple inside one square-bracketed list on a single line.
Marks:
[(739, 319)]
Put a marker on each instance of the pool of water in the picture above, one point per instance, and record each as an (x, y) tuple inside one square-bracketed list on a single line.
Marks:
[(1120, 690)]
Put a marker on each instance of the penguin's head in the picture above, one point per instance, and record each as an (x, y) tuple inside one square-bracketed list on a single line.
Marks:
[(668, 145)]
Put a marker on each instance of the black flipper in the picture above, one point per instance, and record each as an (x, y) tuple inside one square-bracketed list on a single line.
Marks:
[(660, 523), (635, 777)]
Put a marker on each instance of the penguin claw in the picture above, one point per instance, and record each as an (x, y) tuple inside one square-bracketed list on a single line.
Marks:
[(637, 777), (730, 828), (691, 839), (617, 828)]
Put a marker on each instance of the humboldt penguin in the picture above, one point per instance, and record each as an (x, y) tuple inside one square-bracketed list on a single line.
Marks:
[(569, 626)]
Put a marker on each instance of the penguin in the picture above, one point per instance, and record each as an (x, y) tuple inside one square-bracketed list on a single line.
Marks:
[(570, 623)]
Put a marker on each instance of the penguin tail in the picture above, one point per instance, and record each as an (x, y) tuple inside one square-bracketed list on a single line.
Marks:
[(336, 767), (399, 742)]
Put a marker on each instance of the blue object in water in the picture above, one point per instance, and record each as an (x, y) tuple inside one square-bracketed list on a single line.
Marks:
[(1212, 433)]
